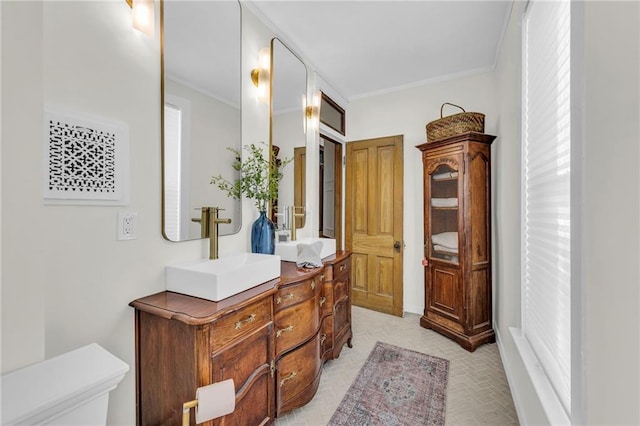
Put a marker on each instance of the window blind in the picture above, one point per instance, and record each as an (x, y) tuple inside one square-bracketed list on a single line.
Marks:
[(546, 313)]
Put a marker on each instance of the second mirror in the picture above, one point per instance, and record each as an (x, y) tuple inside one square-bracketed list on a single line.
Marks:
[(287, 132)]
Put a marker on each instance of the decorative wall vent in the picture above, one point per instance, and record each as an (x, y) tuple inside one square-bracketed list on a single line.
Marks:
[(86, 159)]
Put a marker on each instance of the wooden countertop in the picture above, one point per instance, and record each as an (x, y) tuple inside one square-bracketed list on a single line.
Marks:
[(195, 311)]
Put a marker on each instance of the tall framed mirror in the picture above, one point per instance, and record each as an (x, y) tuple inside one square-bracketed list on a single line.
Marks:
[(201, 99), (287, 131)]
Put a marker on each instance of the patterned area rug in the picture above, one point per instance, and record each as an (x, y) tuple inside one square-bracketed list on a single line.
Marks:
[(396, 386)]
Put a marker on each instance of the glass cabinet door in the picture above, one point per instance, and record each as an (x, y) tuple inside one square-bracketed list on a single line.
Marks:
[(442, 239)]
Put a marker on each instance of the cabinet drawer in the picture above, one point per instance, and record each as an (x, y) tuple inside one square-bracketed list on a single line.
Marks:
[(340, 290), (297, 375), (326, 300), (296, 293), (297, 323), (341, 318), (342, 267), (332, 272), (326, 337), (341, 327), (240, 322), (342, 278)]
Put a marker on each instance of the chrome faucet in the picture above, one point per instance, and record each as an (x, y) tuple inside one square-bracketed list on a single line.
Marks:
[(292, 217), (209, 222)]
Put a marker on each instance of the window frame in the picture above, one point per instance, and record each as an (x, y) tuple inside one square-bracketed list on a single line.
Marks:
[(337, 108), (549, 400)]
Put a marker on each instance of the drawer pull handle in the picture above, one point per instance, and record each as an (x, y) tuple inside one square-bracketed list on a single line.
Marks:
[(323, 338), (343, 267), (287, 296), (282, 330), (249, 319), (322, 300), (313, 285), (322, 277), (289, 377)]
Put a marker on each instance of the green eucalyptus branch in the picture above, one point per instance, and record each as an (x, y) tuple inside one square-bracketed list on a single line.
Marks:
[(259, 176)]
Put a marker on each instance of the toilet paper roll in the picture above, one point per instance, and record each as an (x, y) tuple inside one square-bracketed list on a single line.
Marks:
[(215, 400)]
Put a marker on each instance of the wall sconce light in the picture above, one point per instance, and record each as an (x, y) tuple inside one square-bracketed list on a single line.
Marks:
[(143, 15), (260, 75), (312, 112)]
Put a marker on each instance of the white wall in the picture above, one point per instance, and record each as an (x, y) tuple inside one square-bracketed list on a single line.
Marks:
[(95, 63), (66, 281), (612, 212), (22, 227), (407, 112)]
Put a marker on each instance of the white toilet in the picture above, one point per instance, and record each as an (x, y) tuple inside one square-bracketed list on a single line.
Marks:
[(70, 389)]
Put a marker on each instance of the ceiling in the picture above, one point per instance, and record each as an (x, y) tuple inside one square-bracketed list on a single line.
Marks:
[(364, 47)]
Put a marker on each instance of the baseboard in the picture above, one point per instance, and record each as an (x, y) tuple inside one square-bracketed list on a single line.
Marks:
[(418, 310), (517, 402)]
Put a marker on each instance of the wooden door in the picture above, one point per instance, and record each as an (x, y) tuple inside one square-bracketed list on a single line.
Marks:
[(299, 181), (331, 191), (374, 206)]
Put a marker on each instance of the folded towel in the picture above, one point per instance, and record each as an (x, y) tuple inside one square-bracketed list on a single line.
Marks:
[(444, 249), (446, 175), (309, 255), (447, 239), (444, 202)]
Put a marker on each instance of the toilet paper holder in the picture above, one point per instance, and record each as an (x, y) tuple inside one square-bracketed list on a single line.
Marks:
[(212, 401), (186, 410)]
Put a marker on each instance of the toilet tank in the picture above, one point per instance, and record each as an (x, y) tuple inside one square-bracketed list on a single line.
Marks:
[(70, 389)]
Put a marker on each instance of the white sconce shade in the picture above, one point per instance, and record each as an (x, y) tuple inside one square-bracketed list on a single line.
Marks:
[(143, 15), (260, 75), (313, 112)]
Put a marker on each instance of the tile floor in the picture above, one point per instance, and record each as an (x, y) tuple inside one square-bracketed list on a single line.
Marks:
[(478, 392)]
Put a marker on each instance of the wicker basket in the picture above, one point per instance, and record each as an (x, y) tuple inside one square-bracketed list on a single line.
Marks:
[(455, 124)]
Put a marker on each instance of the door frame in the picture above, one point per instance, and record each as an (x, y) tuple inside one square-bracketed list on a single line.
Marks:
[(337, 199)]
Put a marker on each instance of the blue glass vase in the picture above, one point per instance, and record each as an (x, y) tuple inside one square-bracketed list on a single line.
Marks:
[(263, 235)]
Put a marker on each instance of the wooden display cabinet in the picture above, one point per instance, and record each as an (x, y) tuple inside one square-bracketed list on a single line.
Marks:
[(457, 238)]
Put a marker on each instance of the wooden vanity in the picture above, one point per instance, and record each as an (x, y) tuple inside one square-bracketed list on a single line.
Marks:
[(271, 339)]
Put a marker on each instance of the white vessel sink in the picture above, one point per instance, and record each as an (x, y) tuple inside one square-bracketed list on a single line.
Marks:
[(221, 278), (289, 251)]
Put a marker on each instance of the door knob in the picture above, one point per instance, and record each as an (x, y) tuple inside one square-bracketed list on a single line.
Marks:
[(397, 245)]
